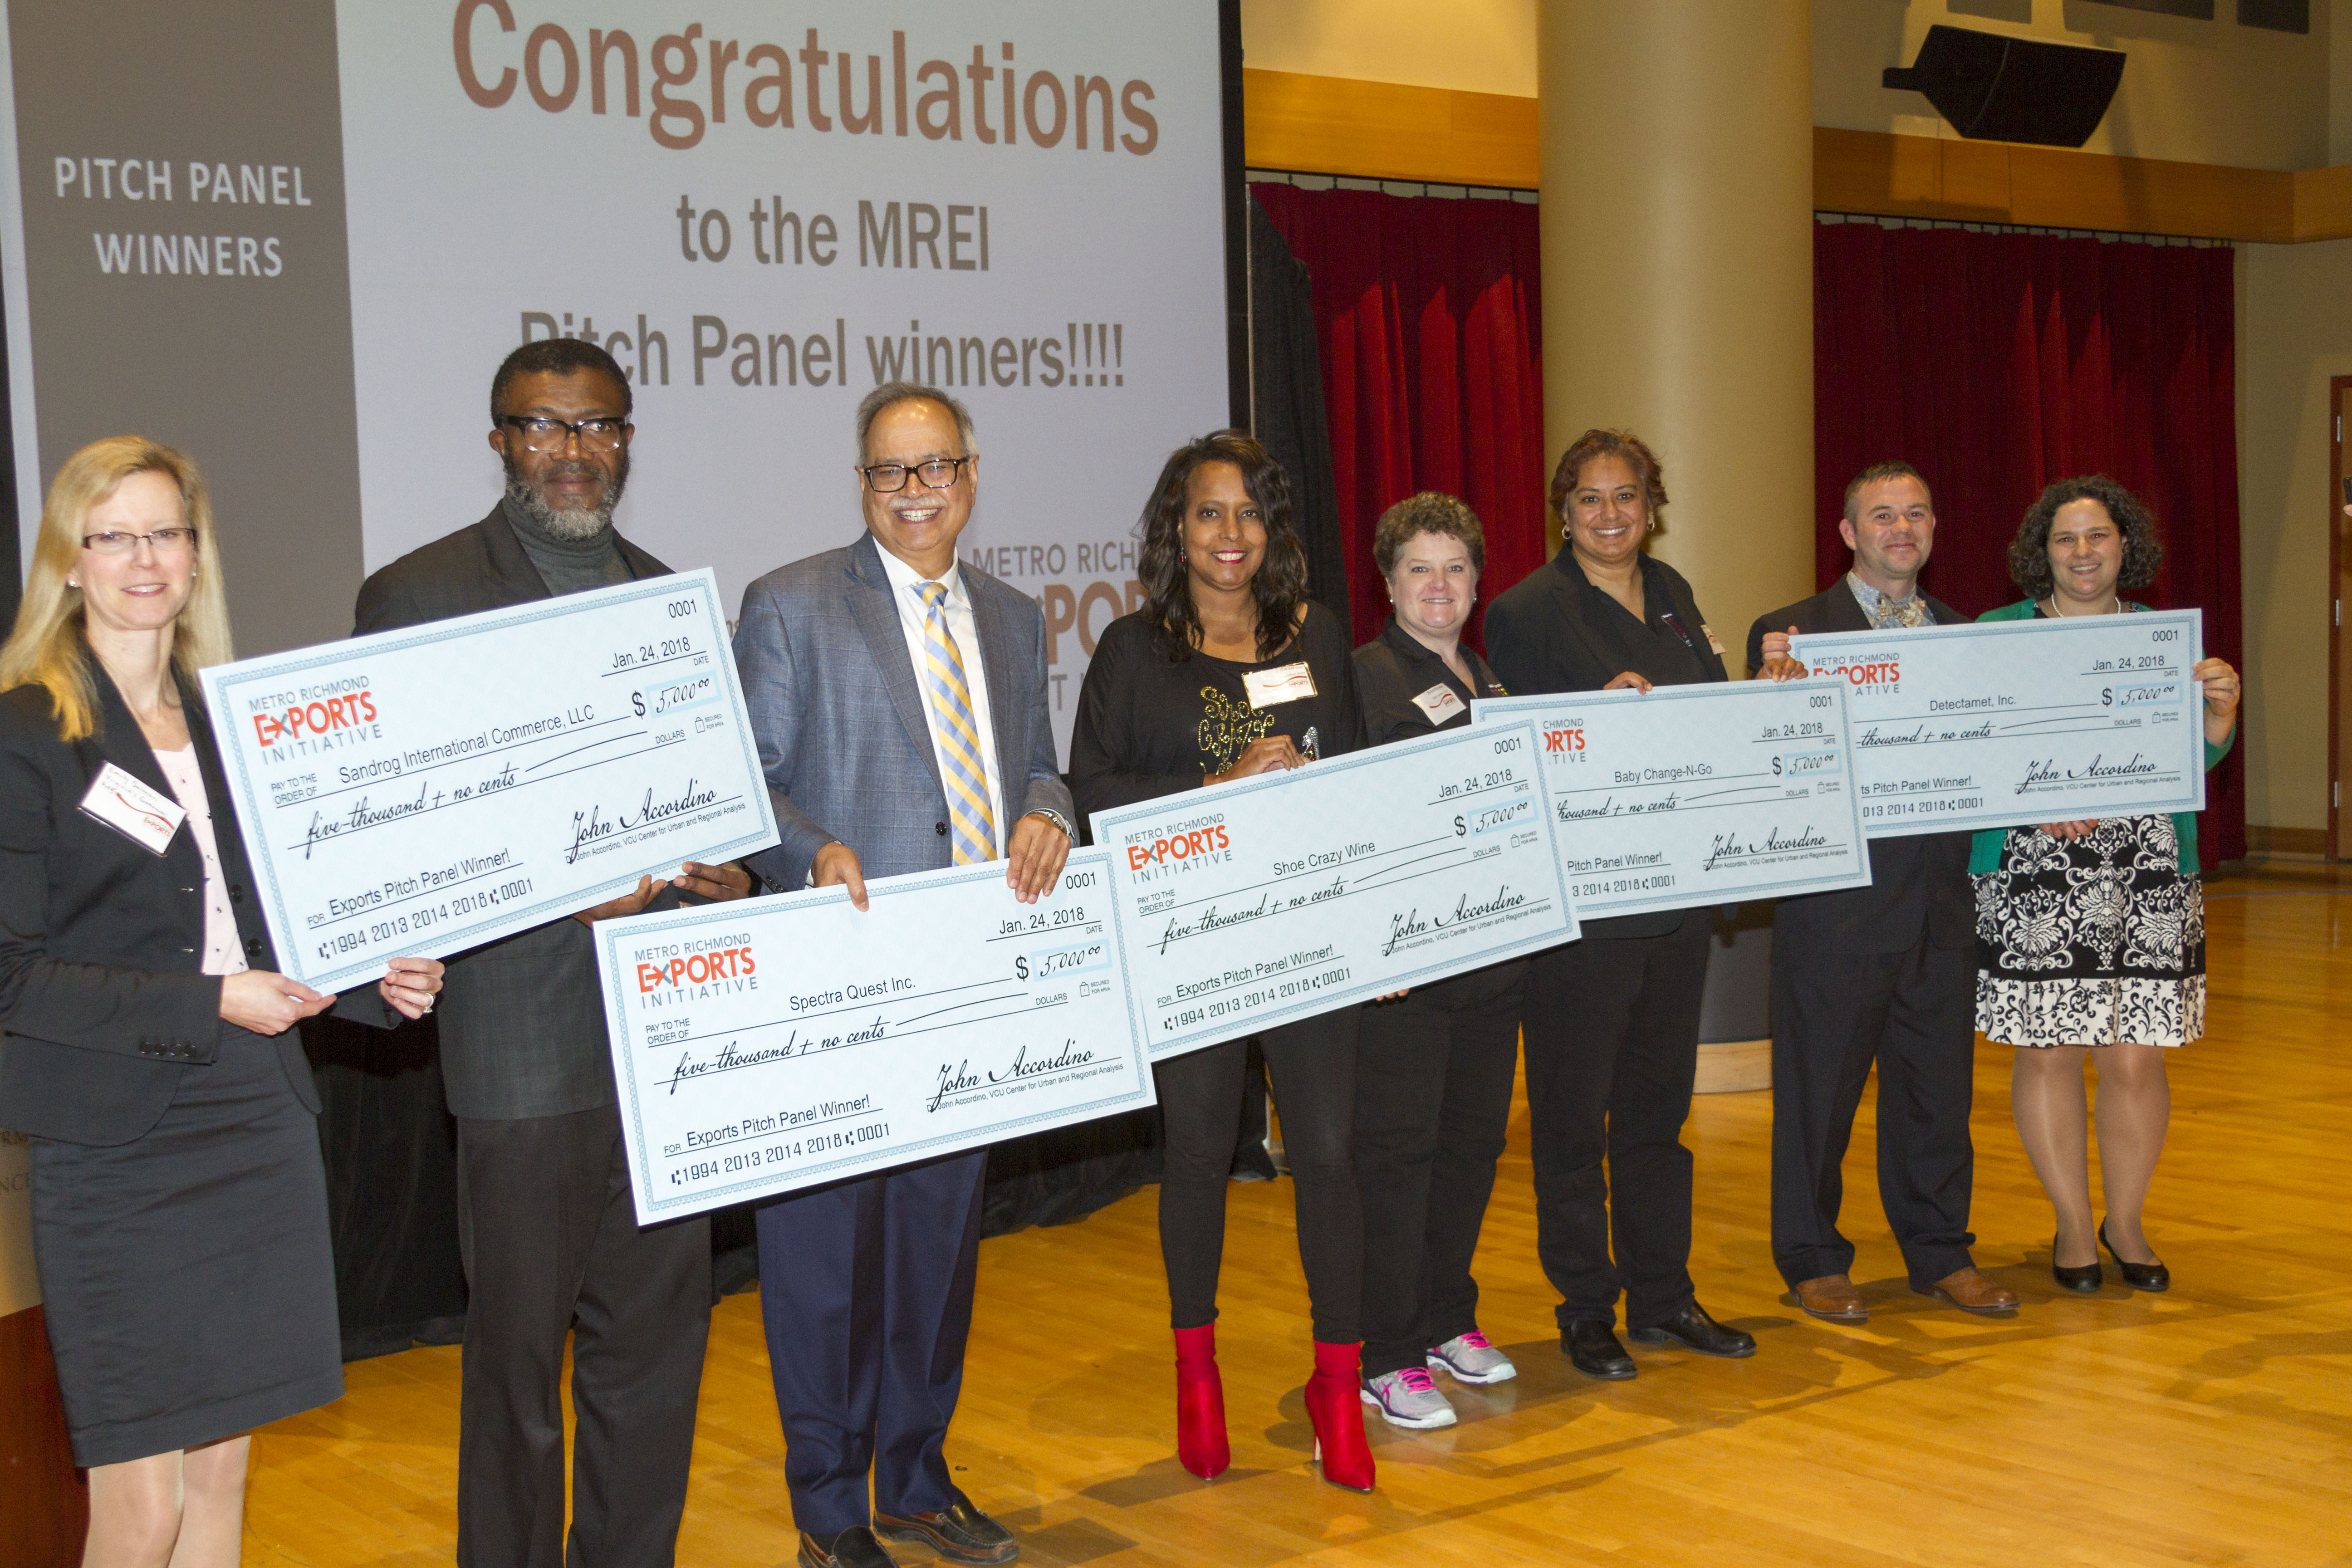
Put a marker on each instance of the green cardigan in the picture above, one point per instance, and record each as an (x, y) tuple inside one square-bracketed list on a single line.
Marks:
[(1984, 854)]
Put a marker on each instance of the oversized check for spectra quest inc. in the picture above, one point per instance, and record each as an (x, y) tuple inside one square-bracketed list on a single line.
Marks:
[(1278, 897), (424, 791), (1696, 794), (2003, 724), (772, 1044)]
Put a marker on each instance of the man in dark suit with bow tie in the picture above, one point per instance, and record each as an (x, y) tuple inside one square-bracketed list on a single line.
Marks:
[(1884, 974)]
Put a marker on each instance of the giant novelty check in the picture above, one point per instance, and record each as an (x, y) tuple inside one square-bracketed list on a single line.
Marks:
[(424, 791), (772, 1044), (1292, 893), (1696, 794), (1999, 723)]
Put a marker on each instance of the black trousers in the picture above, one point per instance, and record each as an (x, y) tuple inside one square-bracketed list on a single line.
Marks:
[(1833, 1015), (1313, 1062), (550, 1238), (866, 1287), (1612, 1047), (1432, 1101)]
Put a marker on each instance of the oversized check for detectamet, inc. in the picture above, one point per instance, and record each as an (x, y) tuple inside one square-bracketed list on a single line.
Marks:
[(424, 791), (1696, 794), (2001, 723), (1274, 898), (772, 1044)]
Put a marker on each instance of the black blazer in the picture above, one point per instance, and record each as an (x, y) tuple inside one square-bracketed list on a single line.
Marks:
[(1541, 638), (522, 1026), (1916, 881), (102, 993)]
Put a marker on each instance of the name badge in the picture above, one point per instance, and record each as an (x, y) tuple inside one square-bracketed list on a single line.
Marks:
[(147, 818), (1288, 683), (1441, 704), (1714, 643)]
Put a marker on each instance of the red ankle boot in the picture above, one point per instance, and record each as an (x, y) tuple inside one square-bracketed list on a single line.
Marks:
[(1334, 1404), (1201, 1446)]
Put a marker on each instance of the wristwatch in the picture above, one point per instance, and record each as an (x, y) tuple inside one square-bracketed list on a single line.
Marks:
[(1058, 820)]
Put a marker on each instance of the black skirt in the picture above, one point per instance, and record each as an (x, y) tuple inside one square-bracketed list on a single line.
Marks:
[(188, 1275)]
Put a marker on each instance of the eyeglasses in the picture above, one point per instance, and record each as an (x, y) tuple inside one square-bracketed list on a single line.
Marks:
[(542, 435), (937, 473), (163, 541)]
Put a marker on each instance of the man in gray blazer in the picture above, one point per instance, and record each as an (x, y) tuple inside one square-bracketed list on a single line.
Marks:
[(546, 1224), (900, 701)]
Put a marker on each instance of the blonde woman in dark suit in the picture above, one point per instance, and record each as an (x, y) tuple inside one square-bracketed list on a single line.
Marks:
[(179, 1204)]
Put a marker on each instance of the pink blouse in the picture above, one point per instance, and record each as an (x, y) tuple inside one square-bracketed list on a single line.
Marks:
[(224, 954)]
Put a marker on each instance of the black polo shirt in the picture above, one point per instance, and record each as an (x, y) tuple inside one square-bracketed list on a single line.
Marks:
[(1394, 667)]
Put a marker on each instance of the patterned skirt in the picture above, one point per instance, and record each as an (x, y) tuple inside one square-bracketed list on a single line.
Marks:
[(2096, 940)]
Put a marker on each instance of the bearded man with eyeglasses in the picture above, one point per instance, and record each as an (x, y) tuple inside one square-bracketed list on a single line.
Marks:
[(546, 1224)]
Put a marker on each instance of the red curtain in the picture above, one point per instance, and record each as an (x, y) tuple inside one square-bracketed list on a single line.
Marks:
[(1996, 364), (1425, 312)]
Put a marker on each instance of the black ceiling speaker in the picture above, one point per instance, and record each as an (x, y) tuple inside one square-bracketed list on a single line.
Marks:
[(1997, 89)]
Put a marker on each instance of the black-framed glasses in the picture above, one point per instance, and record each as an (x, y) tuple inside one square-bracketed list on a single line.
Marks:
[(163, 541), (937, 473), (541, 434)]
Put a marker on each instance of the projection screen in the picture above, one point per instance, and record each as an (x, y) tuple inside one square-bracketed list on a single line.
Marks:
[(295, 240)]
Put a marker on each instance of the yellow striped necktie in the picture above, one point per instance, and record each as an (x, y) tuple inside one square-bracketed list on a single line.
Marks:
[(972, 821)]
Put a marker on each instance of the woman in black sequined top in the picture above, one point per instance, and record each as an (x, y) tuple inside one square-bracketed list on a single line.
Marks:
[(1228, 671)]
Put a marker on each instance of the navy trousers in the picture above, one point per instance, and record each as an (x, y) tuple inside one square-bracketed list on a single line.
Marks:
[(866, 1287)]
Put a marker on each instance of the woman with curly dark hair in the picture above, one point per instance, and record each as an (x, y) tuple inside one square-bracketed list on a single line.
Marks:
[(2091, 935), (1229, 671)]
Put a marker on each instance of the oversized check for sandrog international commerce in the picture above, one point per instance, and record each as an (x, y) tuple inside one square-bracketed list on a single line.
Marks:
[(428, 790), (1289, 894), (772, 1044), (1696, 794), (2000, 723)]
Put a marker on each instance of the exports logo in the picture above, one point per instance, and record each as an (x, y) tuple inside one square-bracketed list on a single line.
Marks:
[(687, 970), (1568, 738), (312, 719), (1177, 848), (1868, 673)]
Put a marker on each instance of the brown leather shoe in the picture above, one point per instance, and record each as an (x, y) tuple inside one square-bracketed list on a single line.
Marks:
[(1972, 1292), (1833, 1298)]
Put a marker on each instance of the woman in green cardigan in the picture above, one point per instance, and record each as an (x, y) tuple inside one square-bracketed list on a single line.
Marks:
[(2092, 934)]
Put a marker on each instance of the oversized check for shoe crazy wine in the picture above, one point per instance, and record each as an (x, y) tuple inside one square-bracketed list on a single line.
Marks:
[(2002, 723), (1696, 794), (770, 1044), (1289, 894), (424, 791)]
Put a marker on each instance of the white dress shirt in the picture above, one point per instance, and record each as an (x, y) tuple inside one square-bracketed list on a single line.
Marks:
[(914, 616)]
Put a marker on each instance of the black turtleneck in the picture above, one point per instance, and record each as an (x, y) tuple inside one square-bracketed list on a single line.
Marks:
[(568, 565)]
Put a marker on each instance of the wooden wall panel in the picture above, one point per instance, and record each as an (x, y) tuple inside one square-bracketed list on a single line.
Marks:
[(1330, 125), (1374, 130), (44, 1503)]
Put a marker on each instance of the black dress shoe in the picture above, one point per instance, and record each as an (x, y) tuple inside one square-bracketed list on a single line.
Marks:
[(2148, 1276), (2086, 1279), (851, 1548), (960, 1534), (1593, 1349), (1693, 1330)]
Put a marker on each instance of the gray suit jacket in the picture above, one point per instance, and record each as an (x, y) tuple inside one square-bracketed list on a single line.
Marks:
[(842, 732), (523, 1025)]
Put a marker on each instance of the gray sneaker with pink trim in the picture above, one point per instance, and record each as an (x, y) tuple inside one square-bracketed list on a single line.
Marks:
[(1472, 1358)]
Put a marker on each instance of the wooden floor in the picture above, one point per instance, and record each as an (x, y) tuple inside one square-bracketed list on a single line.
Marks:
[(2213, 1425)]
